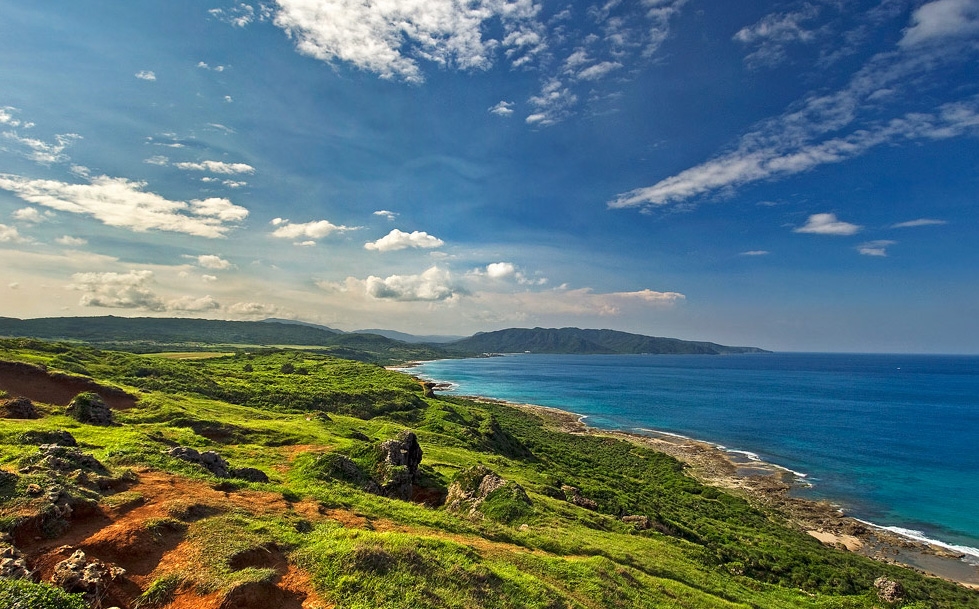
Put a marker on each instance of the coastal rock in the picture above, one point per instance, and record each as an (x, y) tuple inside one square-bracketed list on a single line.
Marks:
[(479, 491), (573, 495), (18, 408), (89, 407), (78, 574), (888, 590)]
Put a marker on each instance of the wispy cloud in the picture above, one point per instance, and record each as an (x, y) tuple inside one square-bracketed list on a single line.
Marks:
[(40, 151), (773, 33), (317, 229), (146, 75), (755, 253), (123, 203), (827, 224), (400, 240), (919, 222), (875, 248), (216, 167), (69, 241), (831, 127)]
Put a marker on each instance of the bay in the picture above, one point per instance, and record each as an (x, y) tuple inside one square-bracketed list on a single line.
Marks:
[(893, 439)]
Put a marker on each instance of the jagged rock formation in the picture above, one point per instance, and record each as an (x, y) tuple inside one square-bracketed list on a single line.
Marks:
[(398, 466), (13, 565), (889, 591), (91, 578), (216, 464)]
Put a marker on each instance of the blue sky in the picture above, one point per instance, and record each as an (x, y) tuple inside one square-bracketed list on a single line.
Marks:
[(793, 175)]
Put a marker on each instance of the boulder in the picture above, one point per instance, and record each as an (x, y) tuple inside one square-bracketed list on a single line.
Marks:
[(13, 564), (90, 408), (209, 460), (18, 408), (479, 491), (60, 460), (59, 437), (888, 590)]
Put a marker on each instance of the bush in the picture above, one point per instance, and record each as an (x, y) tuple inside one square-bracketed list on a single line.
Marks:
[(21, 594)]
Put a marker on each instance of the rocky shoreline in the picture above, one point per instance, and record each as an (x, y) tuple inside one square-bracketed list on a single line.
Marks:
[(769, 487)]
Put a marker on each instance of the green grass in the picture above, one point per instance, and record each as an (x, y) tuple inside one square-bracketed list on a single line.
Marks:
[(706, 548)]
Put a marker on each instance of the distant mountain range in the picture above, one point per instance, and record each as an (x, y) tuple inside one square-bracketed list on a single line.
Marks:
[(575, 340), (154, 333)]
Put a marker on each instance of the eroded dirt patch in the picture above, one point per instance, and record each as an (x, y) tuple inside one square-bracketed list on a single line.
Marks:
[(36, 383)]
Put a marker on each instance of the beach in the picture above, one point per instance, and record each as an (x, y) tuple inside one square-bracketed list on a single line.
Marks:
[(769, 487)]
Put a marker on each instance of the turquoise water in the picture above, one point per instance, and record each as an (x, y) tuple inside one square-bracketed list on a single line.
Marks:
[(894, 439)]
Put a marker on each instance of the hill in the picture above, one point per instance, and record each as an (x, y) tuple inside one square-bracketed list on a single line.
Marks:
[(575, 340), (411, 338), (275, 478)]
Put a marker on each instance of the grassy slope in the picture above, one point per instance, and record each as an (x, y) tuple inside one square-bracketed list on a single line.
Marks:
[(708, 549)]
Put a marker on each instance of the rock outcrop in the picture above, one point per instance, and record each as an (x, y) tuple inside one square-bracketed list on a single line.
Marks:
[(59, 437), (641, 523), (13, 564), (480, 492), (18, 408), (90, 408), (888, 590), (216, 464), (397, 470), (90, 577), (573, 495)]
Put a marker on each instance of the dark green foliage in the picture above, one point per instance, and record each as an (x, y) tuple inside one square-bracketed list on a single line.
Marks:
[(574, 340), (20, 594)]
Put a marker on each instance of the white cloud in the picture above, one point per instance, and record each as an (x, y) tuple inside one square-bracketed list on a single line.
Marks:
[(754, 253), (506, 271), (214, 262), (234, 183), (399, 240), (39, 151), (875, 248), (9, 234), (146, 75), (312, 230), (305, 243), (190, 304), (434, 285), (919, 222), (69, 241), (118, 290), (241, 14), (387, 37), (599, 70), (580, 302), (771, 153), (936, 22), (553, 105), (253, 310), (204, 66), (158, 160), (228, 99), (208, 278), (773, 33), (216, 167), (7, 116), (123, 203), (827, 224), (390, 215), (29, 214), (503, 108)]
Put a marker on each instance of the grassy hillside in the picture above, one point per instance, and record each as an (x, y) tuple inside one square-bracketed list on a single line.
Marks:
[(502, 511), (575, 340)]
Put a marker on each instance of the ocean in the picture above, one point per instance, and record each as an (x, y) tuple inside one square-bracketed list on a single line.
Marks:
[(892, 439)]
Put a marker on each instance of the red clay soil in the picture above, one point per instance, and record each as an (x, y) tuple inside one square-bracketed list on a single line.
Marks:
[(39, 385), (120, 536)]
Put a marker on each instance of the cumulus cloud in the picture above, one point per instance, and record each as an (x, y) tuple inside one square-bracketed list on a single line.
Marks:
[(434, 285), (216, 167), (29, 214), (827, 224), (69, 241), (875, 248), (124, 203), (503, 108), (253, 310), (146, 75), (9, 234), (938, 21), (189, 304), (311, 230), (400, 240), (506, 271), (118, 290), (390, 215), (387, 37), (214, 262), (919, 222)]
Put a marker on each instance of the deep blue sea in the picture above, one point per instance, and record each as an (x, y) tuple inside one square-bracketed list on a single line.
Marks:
[(893, 439)]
